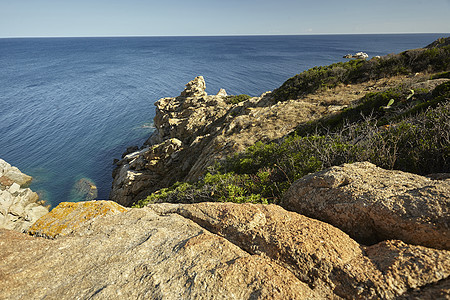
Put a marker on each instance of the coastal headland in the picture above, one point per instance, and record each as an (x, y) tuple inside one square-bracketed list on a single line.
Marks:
[(336, 185)]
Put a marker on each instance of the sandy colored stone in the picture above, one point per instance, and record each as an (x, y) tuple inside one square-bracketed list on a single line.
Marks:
[(324, 257), (139, 254), (372, 204), (68, 216)]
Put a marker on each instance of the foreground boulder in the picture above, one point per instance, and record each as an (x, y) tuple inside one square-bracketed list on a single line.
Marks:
[(372, 204), (19, 206), (212, 251), (140, 254), (324, 257)]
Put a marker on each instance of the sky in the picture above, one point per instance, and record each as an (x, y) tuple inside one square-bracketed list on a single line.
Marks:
[(28, 18)]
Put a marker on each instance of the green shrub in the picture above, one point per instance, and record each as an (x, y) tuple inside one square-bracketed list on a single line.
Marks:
[(441, 75), (237, 99)]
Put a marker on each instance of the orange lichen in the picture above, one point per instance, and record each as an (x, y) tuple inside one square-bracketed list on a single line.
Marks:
[(68, 216)]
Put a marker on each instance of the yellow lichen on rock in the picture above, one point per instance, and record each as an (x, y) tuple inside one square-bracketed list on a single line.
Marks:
[(68, 216)]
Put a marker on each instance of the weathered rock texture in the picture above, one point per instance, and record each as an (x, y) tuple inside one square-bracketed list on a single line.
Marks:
[(139, 254), (19, 206), (372, 204), (194, 130), (211, 250), (68, 216)]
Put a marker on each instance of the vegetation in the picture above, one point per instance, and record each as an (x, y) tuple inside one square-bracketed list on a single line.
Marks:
[(355, 71), (237, 99), (399, 128), (419, 142)]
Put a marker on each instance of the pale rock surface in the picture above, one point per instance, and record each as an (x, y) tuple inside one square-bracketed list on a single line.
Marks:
[(372, 204), (206, 128), (209, 251), (317, 253), (139, 254), (19, 206), (222, 93)]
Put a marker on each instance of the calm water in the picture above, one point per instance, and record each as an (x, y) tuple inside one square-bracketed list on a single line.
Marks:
[(69, 106)]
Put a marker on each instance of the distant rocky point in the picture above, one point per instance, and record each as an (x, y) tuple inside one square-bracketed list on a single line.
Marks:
[(358, 55)]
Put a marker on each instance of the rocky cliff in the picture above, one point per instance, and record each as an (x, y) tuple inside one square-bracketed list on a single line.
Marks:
[(19, 206), (194, 130)]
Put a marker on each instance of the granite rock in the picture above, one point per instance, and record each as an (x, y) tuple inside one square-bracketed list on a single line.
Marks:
[(372, 204), (208, 250)]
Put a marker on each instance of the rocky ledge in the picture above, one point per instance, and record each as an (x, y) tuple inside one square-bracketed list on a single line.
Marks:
[(209, 251), (19, 206), (194, 130)]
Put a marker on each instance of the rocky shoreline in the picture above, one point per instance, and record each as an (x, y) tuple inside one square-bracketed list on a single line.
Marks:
[(353, 231), (19, 206)]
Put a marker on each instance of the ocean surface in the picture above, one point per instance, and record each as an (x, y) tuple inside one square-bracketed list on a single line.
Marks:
[(69, 106)]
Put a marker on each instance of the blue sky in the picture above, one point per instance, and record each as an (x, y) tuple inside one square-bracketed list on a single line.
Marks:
[(225, 17)]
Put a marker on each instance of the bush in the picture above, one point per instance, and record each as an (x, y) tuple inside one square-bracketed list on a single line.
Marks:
[(237, 99)]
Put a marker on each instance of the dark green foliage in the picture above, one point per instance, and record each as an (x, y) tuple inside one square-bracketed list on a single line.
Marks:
[(442, 90), (355, 71), (219, 187), (441, 75), (237, 99)]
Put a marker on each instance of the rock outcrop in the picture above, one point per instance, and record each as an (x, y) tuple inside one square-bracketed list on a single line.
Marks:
[(210, 250), (194, 130), (372, 204), (358, 55), (19, 206)]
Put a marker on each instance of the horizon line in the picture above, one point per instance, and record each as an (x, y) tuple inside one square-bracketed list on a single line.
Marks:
[(214, 35)]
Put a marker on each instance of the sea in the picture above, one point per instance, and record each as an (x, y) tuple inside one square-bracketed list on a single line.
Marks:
[(69, 106)]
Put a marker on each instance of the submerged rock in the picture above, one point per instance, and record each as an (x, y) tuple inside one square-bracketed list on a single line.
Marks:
[(372, 204), (19, 206), (84, 190)]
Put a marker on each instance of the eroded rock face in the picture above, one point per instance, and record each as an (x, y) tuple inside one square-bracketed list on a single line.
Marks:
[(194, 130), (211, 250), (372, 204), (19, 206)]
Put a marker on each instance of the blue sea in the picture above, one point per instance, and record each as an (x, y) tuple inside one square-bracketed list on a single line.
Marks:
[(69, 106)]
